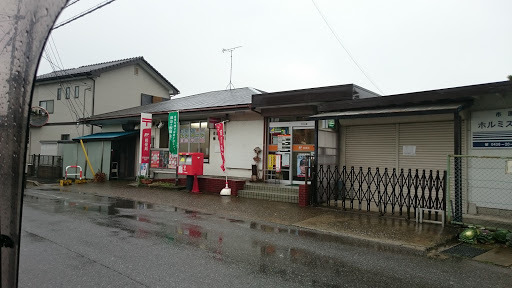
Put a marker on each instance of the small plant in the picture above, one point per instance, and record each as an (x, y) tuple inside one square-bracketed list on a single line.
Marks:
[(469, 235), (485, 237), (501, 235), (163, 185)]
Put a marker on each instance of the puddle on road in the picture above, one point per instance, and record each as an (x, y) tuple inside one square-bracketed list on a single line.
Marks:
[(175, 226)]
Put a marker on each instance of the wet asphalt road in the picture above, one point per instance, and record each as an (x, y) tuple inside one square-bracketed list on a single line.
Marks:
[(79, 240)]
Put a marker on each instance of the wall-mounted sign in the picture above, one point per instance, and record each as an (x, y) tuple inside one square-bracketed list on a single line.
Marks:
[(278, 162), (491, 129), (271, 161), (155, 159), (509, 166), (409, 150)]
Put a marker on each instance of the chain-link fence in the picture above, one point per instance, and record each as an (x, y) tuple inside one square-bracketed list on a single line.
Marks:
[(480, 189)]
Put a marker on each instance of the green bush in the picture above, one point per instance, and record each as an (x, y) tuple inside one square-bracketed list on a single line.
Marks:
[(501, 235), (485, 237)]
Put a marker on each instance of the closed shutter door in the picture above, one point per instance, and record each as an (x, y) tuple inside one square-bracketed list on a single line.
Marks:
[(371, 146), (433, 142), (49, 149)]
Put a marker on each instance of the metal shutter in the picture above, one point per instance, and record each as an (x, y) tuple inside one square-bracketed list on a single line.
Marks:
[(433, 141), (371, 146), (49, 149)]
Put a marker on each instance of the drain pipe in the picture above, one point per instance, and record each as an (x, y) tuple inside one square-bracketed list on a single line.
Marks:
[(93, 94)]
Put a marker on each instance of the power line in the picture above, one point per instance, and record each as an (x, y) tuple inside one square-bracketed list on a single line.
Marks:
[(57, 58), (344, 48), (82, 14), (71, 3), (69, 105), (75, 98)]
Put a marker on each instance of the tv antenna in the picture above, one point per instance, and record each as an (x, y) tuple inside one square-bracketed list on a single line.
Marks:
[(230, 50)]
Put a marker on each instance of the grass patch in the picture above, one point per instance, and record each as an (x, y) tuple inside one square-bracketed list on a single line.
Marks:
[(165, 185)]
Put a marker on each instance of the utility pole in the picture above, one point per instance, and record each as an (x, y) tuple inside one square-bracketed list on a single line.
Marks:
[(230, 50)]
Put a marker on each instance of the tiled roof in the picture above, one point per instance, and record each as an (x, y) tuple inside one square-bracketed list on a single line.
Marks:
[(214, 99), (95, 69)]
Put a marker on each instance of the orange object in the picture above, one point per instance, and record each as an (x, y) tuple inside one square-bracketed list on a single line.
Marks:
[(303, 147), (195, 187)]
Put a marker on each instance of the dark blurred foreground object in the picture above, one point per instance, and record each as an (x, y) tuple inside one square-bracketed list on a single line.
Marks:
[(25, 27)]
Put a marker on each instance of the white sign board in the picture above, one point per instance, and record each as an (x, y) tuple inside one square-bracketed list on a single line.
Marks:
[(409, 150), (509, 166), (491, 129)]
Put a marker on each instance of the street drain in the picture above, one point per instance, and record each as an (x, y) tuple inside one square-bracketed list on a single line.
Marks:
[(466, 250)]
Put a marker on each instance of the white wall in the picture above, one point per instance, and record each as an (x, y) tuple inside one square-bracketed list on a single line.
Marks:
[(49, 133), (244, 132), (121, 88), (64, 109), (113, 90)]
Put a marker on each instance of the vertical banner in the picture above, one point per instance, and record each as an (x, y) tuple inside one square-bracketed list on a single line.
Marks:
[(145, 142), (174, 128), (220, 135)]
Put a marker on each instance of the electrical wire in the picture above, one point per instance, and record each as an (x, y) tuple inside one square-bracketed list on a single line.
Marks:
[(82, 14), (344, 48), (84, 111), (71, 3)]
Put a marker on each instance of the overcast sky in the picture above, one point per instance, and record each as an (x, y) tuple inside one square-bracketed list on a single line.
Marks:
[(403, 46)]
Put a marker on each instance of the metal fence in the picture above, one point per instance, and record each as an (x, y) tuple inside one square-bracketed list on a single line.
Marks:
[(480, 188), (386, 191), (44, 166)]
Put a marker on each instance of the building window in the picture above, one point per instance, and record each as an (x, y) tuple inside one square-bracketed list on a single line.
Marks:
[(59, 93), (68, 92), (64, 136), (77, 91), (47, 105), (195, 137)]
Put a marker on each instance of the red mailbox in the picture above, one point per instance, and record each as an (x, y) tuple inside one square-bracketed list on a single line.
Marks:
[(190, 164)]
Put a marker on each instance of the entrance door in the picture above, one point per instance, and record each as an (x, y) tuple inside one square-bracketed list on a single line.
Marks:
[(289, 144)]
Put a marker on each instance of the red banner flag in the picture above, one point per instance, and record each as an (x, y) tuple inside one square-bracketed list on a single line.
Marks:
[(220, 135)]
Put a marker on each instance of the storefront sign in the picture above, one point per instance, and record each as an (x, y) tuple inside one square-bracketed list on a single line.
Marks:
[(145, 142), (155, 159), (303, 147), (491, 129), (220, 134)]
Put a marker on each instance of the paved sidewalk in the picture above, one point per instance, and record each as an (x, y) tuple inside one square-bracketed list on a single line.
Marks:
[(389, 231)]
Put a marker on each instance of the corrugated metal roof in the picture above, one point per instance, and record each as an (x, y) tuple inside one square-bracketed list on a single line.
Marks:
[(90, 70), (426, 109), (106, 135), (222, 98)]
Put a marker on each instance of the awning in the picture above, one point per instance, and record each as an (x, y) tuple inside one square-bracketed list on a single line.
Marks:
[(395, 111), (106, 136)]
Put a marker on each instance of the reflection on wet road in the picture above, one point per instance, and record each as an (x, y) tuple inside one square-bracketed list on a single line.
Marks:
[(142, 244)]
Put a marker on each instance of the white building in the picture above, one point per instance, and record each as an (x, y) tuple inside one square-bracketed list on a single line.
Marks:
[(89, 90)]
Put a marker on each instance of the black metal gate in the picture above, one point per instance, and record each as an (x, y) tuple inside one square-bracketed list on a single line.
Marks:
[(387, 191), (44, 166)]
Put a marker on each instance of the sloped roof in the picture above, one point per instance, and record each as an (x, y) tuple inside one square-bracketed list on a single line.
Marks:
[(202, 101), (96, 69)]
